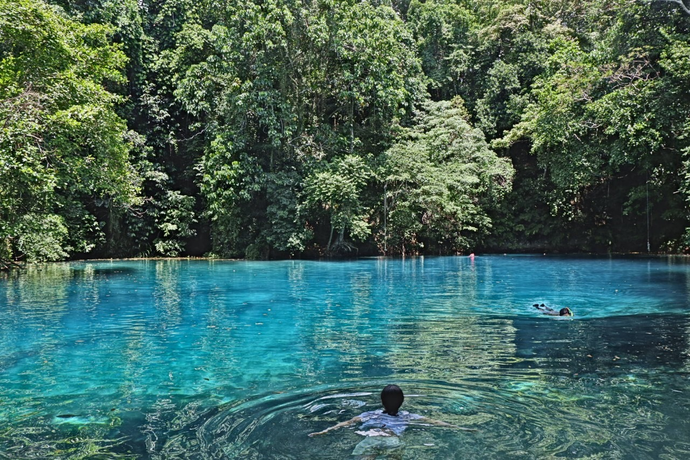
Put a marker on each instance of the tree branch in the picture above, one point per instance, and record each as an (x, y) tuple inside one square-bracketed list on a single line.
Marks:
[(679, 2)]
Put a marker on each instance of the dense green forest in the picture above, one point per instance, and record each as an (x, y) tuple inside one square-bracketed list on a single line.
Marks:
[(304, 128)]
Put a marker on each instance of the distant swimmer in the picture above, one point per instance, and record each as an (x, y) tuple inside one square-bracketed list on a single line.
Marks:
[(551, 312)]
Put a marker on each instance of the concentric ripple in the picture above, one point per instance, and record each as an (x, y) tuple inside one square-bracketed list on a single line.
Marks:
[(621, 417)]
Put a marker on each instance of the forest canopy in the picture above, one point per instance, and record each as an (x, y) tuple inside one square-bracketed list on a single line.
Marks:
[(309, 128)]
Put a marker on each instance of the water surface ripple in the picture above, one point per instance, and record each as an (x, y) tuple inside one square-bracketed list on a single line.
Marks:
[(212, 360)]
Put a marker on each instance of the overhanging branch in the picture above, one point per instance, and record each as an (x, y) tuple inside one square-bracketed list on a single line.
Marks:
[(679, 2)]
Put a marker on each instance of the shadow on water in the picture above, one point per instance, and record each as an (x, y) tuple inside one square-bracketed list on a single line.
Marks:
[(603, 345), (91, 271)]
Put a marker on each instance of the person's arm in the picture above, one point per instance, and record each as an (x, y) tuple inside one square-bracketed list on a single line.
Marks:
[(335, 427), (431, 421), (546, 310)]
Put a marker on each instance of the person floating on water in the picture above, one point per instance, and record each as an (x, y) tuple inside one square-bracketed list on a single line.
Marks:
[(389, 423), (551, 312)]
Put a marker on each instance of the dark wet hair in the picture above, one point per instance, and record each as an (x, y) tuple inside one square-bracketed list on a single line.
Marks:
[(392, 398), (565, 312)]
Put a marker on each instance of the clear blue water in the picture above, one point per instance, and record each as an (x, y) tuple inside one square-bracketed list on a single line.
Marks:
[(198, 359)]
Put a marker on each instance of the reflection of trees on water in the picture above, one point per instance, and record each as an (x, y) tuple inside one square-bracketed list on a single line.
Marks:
[(344, 324), (34, 310), (36, 294), (216, 326), (452, 350), (432, 336), (345, 327), (364, 328), (167, 294)]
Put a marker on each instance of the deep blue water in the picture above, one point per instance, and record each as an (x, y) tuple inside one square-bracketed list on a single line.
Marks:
[(198, 359)]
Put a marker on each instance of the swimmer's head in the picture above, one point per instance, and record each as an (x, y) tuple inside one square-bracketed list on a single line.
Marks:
[(392, 398), (565, 312)]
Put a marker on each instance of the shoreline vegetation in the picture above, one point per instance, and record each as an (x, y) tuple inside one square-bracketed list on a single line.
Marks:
[(253, 130)]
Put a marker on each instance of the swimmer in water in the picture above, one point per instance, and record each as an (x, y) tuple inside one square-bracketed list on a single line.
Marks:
[(551, 312), (389, 421), (382, 428)]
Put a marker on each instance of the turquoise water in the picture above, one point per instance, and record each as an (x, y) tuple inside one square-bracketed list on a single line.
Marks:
[(198, 359)]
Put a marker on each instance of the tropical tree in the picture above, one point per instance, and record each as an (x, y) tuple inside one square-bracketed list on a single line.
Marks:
[(289, 91), (441, 178), (337, 191), (605, 123), (63, 149)]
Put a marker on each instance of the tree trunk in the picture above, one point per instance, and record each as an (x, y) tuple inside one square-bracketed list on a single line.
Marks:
[(341, 237), (330, 238)]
